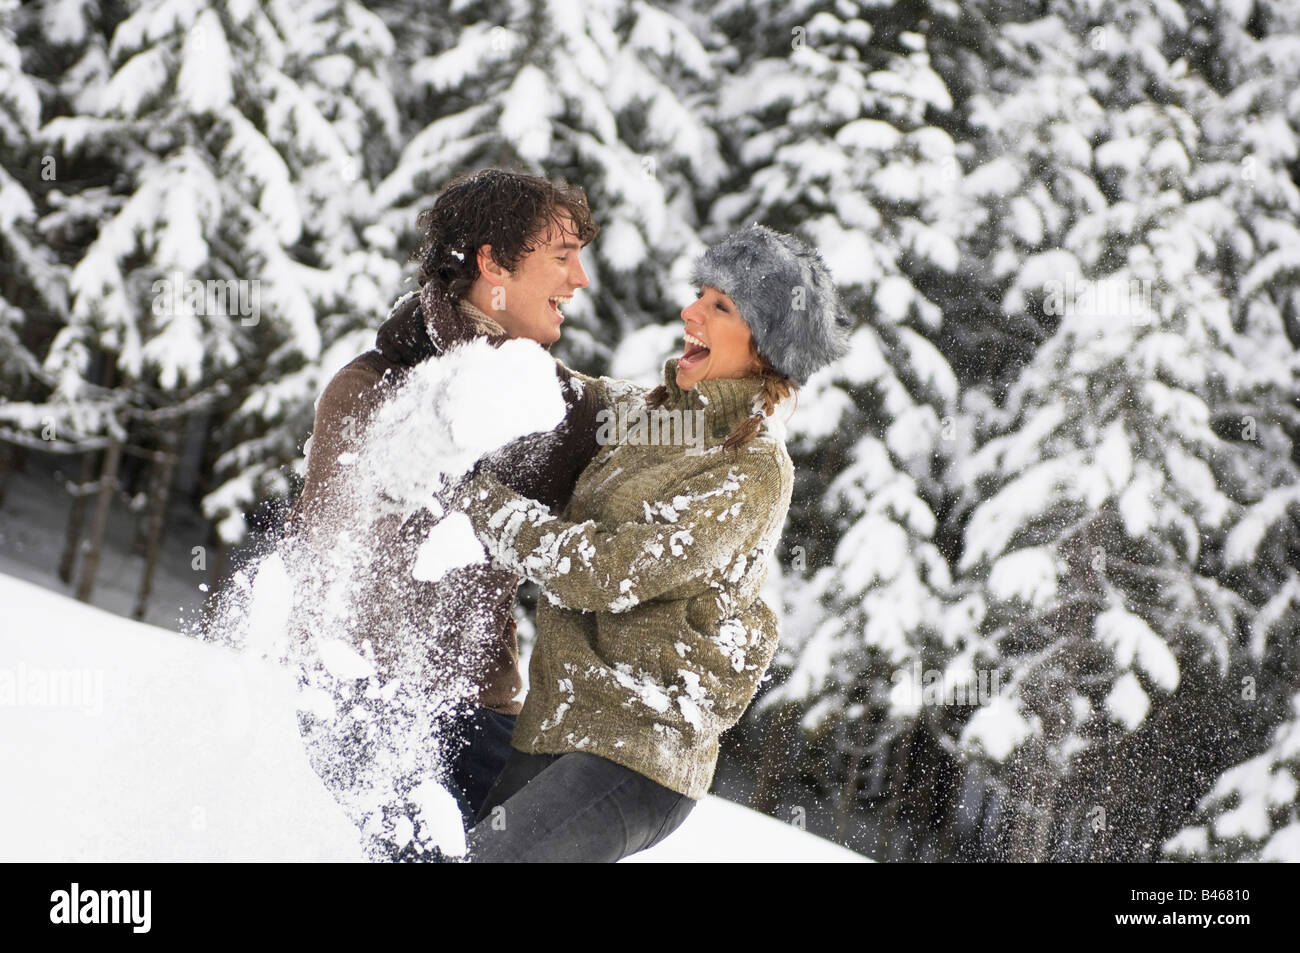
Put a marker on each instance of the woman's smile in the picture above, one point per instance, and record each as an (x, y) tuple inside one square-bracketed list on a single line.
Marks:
[(695, 351)]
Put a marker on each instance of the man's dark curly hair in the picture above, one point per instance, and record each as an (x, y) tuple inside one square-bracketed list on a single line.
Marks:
[(511, 211)]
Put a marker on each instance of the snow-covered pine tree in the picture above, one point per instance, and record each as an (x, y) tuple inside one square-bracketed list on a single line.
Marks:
[(48, 410), (232, 140), (1107, 482), (833, 121), (330, 116), (598, 94), (1251, 812), (32, 285)]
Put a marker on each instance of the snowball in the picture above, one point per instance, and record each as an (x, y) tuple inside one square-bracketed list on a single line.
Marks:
[(451, 544), (342, 660), (450, 412)]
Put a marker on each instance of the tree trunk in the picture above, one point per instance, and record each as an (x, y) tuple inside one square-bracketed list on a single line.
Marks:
[(107, 374), (897, 790), (76, 517), (1030, 779), (952, 815), (1046, 819), (852, 772), (99, 524), (215, 567), (8, 458), (776, 752), (160, 492)]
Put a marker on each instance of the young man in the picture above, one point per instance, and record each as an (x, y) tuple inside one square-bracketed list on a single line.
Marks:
[(499, 258)]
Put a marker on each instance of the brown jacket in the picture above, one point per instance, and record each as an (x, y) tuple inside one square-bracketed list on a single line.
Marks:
[(468, 613)]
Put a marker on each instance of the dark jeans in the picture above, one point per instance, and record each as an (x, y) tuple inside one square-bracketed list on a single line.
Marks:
[(483, 747), (572, 808)]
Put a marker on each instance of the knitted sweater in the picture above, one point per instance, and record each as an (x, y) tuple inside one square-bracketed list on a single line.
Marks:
[(652, 638)]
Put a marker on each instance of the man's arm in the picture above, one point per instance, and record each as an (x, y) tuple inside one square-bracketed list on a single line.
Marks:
[(341, 413)]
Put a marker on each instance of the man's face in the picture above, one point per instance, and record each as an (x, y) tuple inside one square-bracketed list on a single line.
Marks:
[(527, 302)]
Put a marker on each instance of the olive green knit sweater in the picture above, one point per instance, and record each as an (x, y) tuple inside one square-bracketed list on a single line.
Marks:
[(652, 638)]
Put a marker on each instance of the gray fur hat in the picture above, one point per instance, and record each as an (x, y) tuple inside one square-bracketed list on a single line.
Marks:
[(785, 295)]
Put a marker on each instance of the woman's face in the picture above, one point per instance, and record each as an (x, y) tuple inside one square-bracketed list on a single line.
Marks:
[(717, 340)]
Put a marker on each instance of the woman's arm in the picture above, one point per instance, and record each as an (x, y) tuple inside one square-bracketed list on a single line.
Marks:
[(720, 672), (608, 391), (705, 524)]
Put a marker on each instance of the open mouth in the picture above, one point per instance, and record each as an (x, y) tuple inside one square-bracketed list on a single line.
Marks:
[(694, 352), (556, 302)]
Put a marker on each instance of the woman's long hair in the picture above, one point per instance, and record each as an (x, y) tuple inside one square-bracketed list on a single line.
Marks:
[(776, 387)]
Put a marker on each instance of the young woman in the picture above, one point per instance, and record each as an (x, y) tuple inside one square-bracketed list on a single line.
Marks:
[(652, 638)]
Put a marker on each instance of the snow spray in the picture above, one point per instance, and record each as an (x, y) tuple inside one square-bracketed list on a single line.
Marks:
[(375, 723)]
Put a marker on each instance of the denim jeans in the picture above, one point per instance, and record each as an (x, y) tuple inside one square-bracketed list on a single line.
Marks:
[(572, 808), (483, 740)]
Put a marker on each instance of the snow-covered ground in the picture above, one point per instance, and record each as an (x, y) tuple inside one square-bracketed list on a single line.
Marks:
[(127, 742)]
